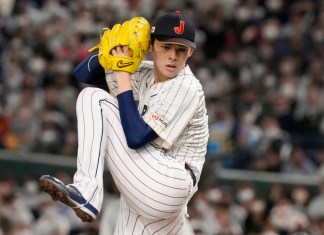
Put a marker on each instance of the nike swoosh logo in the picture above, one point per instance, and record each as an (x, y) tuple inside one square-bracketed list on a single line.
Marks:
[(121, 64)]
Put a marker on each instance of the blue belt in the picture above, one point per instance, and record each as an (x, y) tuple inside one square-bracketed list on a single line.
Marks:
[(191, 173)]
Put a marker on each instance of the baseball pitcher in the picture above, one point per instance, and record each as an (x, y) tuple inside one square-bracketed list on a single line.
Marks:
[(150, 128)]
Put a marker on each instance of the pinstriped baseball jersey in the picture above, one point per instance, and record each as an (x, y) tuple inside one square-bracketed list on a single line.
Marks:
[(155, 187), (175, 109)]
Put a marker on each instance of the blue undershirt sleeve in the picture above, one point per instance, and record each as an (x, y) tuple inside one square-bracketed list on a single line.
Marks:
[(137, 132), (90, 71)]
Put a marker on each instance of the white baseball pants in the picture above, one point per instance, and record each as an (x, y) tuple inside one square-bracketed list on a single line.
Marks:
[(155, 188)]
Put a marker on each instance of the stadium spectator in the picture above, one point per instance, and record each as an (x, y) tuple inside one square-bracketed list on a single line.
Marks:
[(260, 62)]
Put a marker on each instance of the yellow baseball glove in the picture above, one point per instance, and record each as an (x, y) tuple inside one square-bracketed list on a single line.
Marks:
[(135, 34)]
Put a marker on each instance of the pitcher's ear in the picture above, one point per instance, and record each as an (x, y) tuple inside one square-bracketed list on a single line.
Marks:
[(191, 51)]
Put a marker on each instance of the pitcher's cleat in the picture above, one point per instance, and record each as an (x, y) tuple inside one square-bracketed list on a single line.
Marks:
[(70, 196)]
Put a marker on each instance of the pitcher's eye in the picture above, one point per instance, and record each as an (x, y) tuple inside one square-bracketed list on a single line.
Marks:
[(183, 49), (166, 47)]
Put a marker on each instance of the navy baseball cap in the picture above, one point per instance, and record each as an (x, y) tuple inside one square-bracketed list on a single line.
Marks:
[(174, 27)]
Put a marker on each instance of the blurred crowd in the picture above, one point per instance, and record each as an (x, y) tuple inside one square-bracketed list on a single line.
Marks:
[(242, 208), (261, 63)]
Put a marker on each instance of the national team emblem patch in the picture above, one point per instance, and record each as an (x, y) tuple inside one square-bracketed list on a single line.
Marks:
[(159, 120)]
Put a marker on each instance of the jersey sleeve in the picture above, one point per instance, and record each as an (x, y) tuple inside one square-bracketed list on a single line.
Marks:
[(173, 110), (89, 71), (137, 132)]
